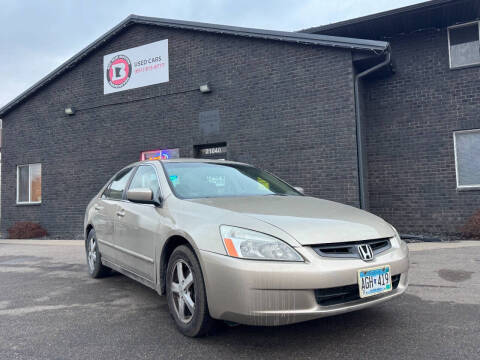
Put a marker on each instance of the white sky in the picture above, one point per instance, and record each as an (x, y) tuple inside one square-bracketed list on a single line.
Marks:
[(37, 36)]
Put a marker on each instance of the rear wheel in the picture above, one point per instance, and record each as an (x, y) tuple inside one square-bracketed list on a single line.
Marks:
[(94, 261), (186, 295)]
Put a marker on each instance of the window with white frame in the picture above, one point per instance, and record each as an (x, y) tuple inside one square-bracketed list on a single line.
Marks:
[(464, 44), (467, 158), (29, 184)]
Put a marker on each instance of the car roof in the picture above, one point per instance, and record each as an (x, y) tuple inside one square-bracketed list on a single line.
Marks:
[(191, 160), (194, 160)]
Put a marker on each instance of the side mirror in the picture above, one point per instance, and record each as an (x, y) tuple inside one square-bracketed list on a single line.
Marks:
[(300, 189), (142, 196)]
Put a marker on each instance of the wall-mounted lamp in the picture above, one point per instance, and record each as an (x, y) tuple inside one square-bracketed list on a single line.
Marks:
[(205, 88), (69, 110)]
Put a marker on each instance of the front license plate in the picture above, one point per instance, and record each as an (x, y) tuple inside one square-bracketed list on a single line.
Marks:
[(374, 281)]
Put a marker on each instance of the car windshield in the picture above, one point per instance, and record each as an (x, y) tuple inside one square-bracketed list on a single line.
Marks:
[(204, 180)]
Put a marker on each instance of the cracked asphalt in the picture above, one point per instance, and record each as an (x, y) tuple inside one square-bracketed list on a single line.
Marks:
[(51, 309)]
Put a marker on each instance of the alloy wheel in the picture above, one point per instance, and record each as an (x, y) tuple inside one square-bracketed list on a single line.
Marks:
[(183, 291)]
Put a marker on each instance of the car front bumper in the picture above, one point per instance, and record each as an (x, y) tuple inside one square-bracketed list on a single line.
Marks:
[(269, 293)]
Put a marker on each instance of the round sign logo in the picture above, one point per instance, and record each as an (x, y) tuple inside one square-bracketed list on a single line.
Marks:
[(119, 70)]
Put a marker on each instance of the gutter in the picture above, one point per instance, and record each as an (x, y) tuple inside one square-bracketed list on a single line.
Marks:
[(358, 124)]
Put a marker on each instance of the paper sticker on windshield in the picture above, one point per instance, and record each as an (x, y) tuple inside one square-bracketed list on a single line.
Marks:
[(265, 183), (219, 181)]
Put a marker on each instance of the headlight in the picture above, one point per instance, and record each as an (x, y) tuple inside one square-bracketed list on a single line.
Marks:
[(397, 237), (249, 244)]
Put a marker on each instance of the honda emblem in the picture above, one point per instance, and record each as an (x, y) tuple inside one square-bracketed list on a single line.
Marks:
[(365, 251)]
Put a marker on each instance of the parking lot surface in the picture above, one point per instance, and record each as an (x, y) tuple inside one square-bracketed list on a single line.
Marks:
[(51, 309)]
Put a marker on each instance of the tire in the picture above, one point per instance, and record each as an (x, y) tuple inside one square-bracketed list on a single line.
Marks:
[(94, 259), (190, 323)]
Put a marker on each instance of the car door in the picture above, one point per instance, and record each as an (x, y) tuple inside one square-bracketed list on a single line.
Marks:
[(105, 212), (137, 226)]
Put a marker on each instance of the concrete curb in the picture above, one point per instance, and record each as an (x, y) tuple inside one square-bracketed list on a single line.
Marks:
[(423, 246), (43, 242)]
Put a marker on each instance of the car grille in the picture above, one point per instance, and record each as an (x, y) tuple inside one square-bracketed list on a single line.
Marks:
[(349, 249), (342, 294)]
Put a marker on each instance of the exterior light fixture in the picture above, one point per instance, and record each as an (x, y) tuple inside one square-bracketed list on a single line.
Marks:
[(69, 110), (205, 88)]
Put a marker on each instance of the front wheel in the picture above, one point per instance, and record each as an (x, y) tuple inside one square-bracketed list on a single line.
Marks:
[(94, 262), (186, 295)]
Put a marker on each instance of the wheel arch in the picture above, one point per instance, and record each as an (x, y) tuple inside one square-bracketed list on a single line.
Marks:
[(88, 228), (170, 245)]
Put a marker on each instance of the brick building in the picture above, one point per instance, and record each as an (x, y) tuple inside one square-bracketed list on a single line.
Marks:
[(369, 123), (414, 115)]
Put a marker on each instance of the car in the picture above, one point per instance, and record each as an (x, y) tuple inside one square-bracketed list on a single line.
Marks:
[(226, 241)]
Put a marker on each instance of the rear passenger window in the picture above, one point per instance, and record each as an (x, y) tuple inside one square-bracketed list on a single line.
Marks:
[(117, 186)]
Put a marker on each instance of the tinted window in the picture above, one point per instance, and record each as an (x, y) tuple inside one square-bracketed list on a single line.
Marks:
[(464, 45), (117, 186), (146, 178), (199, 180)]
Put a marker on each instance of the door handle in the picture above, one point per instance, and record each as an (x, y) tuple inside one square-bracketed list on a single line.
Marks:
[(121, 213), (98, 208)]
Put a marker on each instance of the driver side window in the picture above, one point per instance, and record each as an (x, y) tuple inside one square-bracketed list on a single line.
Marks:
[(146, 178)]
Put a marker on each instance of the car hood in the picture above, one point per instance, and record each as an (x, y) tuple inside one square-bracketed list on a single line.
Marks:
[(309, 220)]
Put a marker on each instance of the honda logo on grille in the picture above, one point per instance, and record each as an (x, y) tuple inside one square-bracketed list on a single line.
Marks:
[(365, 251)]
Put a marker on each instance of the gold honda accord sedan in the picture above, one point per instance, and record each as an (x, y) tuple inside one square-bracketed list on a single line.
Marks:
[(227, 241)]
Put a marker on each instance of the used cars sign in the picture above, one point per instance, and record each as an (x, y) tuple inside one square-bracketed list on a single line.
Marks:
[(136, 67)]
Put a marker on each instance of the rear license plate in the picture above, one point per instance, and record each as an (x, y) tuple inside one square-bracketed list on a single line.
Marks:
[(374, 281)]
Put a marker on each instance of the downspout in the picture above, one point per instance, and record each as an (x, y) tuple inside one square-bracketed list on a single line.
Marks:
[(358, 123)]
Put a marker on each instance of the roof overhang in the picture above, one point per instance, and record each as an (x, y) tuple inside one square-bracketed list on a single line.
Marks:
[(376, 47), (425, 15)]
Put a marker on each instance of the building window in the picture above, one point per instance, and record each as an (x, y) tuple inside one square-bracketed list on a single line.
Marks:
[(464, 45), (29, 184), (467, 160)]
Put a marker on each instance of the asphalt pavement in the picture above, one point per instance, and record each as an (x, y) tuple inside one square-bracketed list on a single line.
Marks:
[(51, 309)]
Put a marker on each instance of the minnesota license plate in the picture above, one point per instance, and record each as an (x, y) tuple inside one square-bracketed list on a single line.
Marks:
[(374, 281)]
